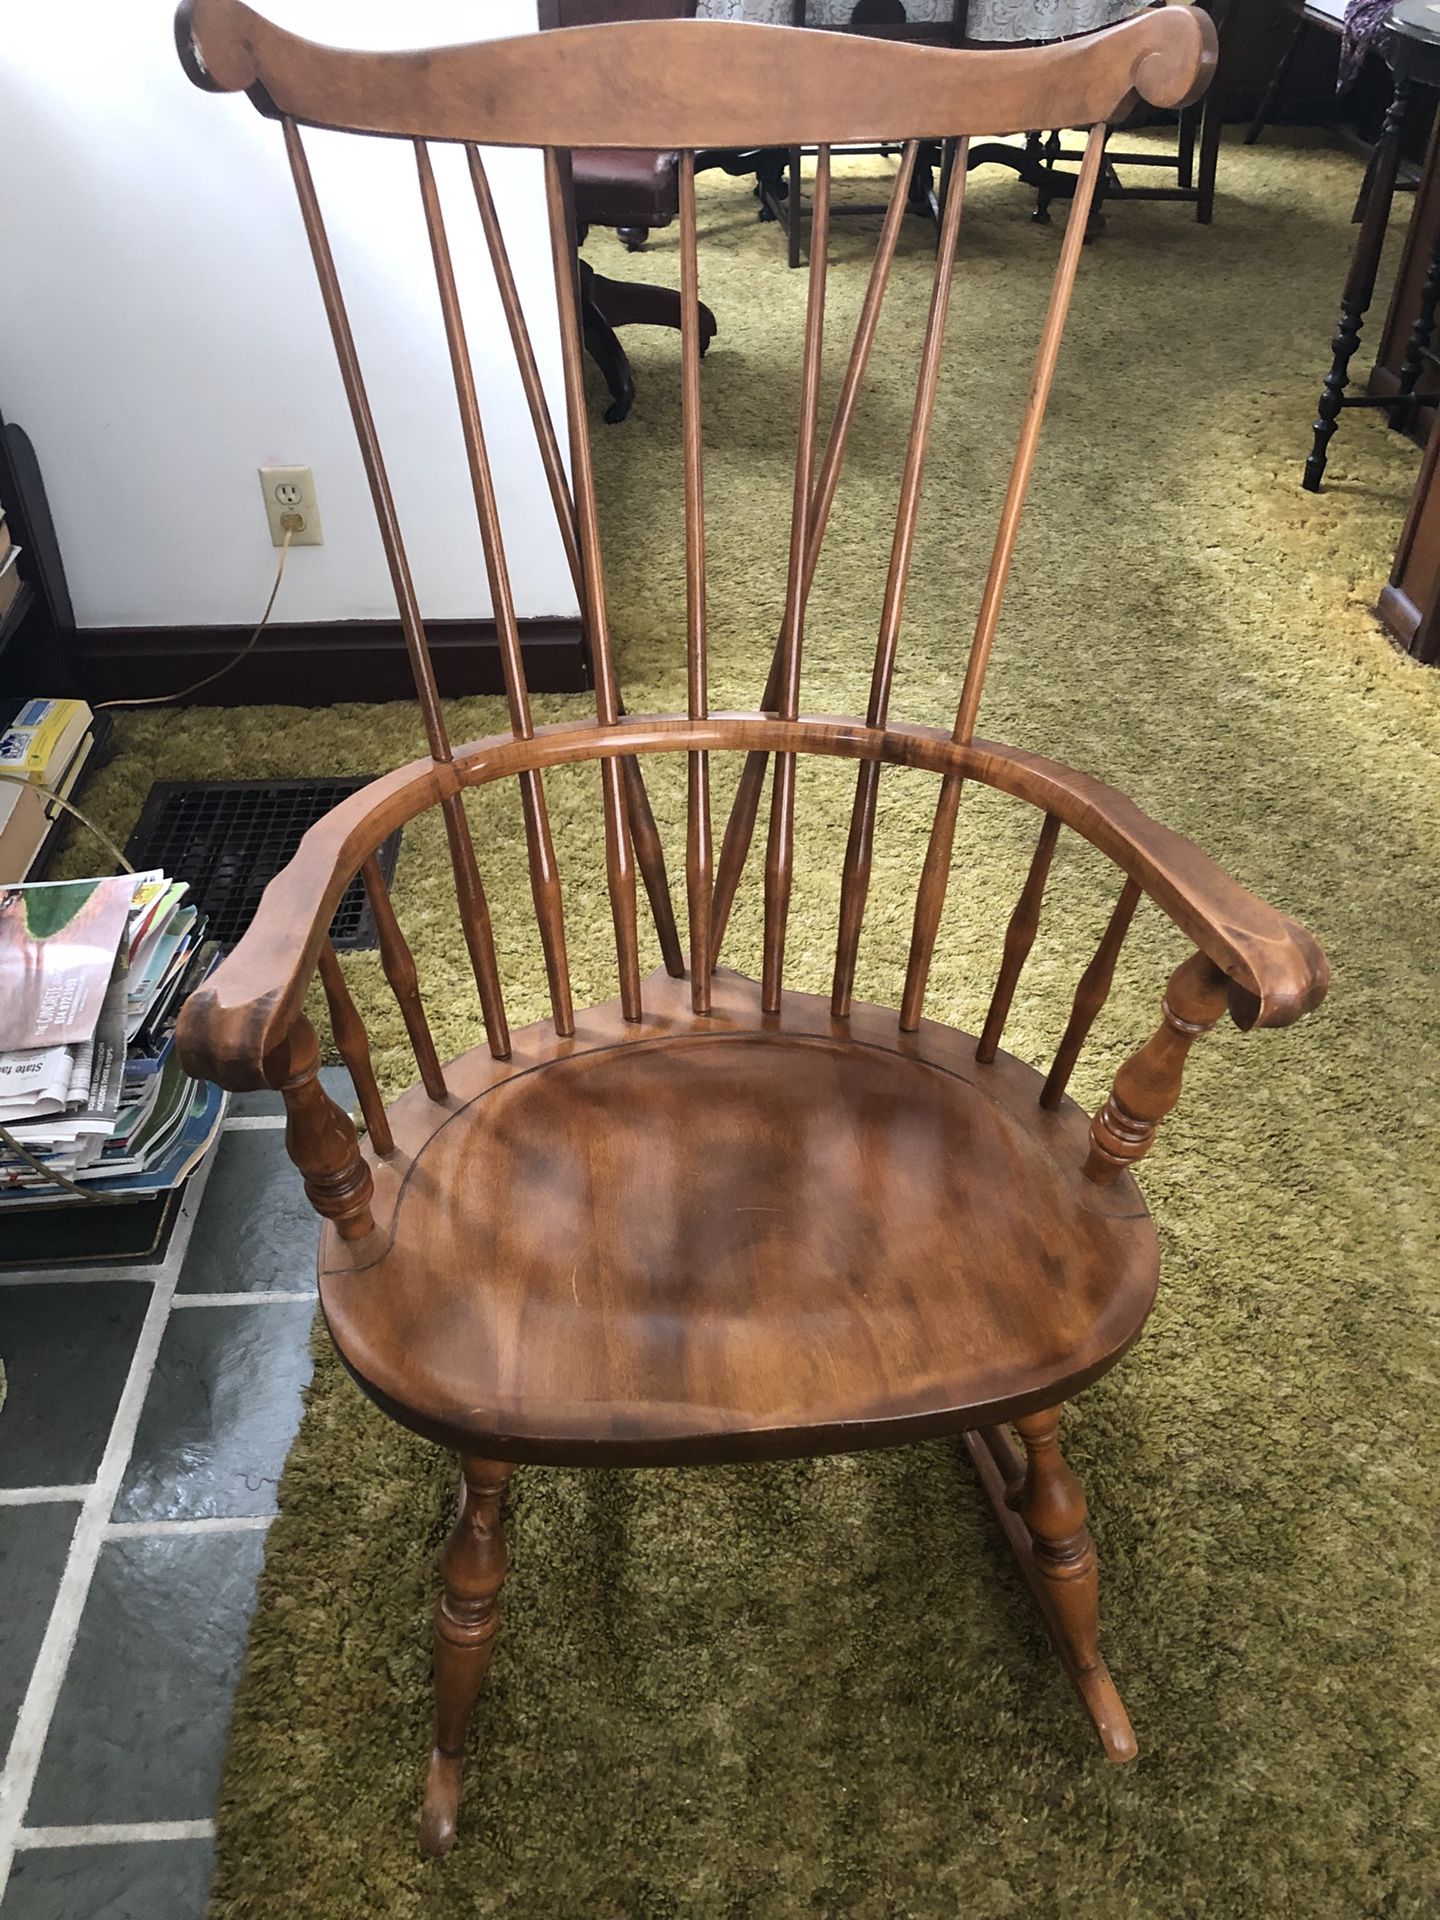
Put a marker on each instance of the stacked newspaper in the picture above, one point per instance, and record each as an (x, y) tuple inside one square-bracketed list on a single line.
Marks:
[(92, 974)]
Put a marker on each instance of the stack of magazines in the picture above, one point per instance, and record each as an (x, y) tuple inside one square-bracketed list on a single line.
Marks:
[(92, 1092)]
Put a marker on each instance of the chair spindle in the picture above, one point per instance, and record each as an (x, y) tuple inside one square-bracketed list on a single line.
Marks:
[(1019, 939), (544, 881), (649, 853), (698, 846), (531, 384), (474, 911), (354, 383), (780, 848), (934, 878), (619, 860), (353, 1045), (855, 883), (398, 964), (1090, 995), (745, 807)]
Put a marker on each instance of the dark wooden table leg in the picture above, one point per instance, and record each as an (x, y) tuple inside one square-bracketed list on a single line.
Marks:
[(947, 170), (1041, 155), (1212, 119), (793, 214), (1274, 84), (1359, 285), (1419, 342), (1185, 146), (770, 163)]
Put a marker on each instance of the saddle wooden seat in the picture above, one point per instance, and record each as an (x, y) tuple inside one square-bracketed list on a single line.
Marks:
[(716, 1219), (731, 1234)]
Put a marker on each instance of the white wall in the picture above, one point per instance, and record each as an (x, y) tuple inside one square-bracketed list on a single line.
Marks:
[(161, 333)]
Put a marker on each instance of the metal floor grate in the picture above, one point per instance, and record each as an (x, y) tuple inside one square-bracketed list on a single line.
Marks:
[(229, 838)]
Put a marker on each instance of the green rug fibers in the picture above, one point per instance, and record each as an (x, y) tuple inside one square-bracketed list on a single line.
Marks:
[(819, 1689)]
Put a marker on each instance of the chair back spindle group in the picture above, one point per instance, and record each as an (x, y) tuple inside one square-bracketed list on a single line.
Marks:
[(580, 72)]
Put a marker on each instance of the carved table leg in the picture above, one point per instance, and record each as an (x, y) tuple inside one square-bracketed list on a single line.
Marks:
[(1044, 154), (1359, 285), (794, 202), (1041, 1506), (770, 181), (467, 1618), (1419, 343)]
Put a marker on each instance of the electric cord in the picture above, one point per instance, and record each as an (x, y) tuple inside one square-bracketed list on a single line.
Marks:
[(169, 699), (7, 1138), (19, 780), (157, 700)]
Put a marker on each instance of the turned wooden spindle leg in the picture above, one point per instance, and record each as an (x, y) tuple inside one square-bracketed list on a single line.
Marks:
[(319, 1137), (1148, 1084), (467, 1618), (1359, 286), (1051, 1502), (1041, 1507)]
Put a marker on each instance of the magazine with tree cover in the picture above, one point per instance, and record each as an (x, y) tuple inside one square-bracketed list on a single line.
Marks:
[(58, 942)]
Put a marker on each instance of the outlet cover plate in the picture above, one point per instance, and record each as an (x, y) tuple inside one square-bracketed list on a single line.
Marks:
[(291, 490)]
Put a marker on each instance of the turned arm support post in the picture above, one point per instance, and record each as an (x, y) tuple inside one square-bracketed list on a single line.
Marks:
[(1148, 1084), (319, 1137)]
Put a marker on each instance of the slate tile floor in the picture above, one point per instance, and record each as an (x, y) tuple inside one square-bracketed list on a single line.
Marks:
[(149, 1414)]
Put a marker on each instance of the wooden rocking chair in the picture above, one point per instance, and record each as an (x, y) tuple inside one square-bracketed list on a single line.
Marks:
[(716, 1220)]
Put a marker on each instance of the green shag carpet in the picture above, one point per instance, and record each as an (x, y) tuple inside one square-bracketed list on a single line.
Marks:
[(818, 1691)]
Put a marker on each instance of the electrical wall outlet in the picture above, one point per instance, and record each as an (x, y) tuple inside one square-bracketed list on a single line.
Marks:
[(290, 496)]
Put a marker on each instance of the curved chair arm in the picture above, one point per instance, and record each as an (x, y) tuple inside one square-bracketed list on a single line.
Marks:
[(1273, 968), (235, 1029)]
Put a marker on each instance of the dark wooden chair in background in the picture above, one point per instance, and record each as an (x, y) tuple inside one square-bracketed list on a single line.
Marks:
[(1044, 162), (634, 193), (1308, 16), (716, 1219), (779, 171), (1194, 161)]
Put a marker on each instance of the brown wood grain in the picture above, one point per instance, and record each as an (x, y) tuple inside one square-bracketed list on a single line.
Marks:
[(1276, 968), (733, 1236), (619, 845), (714, 1219), (855, 878), (1091, 994), (697, 83)]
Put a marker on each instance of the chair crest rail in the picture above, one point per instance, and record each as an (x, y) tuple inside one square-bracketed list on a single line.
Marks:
[(1275, 969), (696, 83)]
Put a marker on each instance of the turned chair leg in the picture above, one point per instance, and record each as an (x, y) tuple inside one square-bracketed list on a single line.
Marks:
[(467, 1618), (1041, 1506), (1051, 1502)]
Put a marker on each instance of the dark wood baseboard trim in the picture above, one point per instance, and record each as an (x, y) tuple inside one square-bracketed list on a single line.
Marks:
[(316, 664)]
